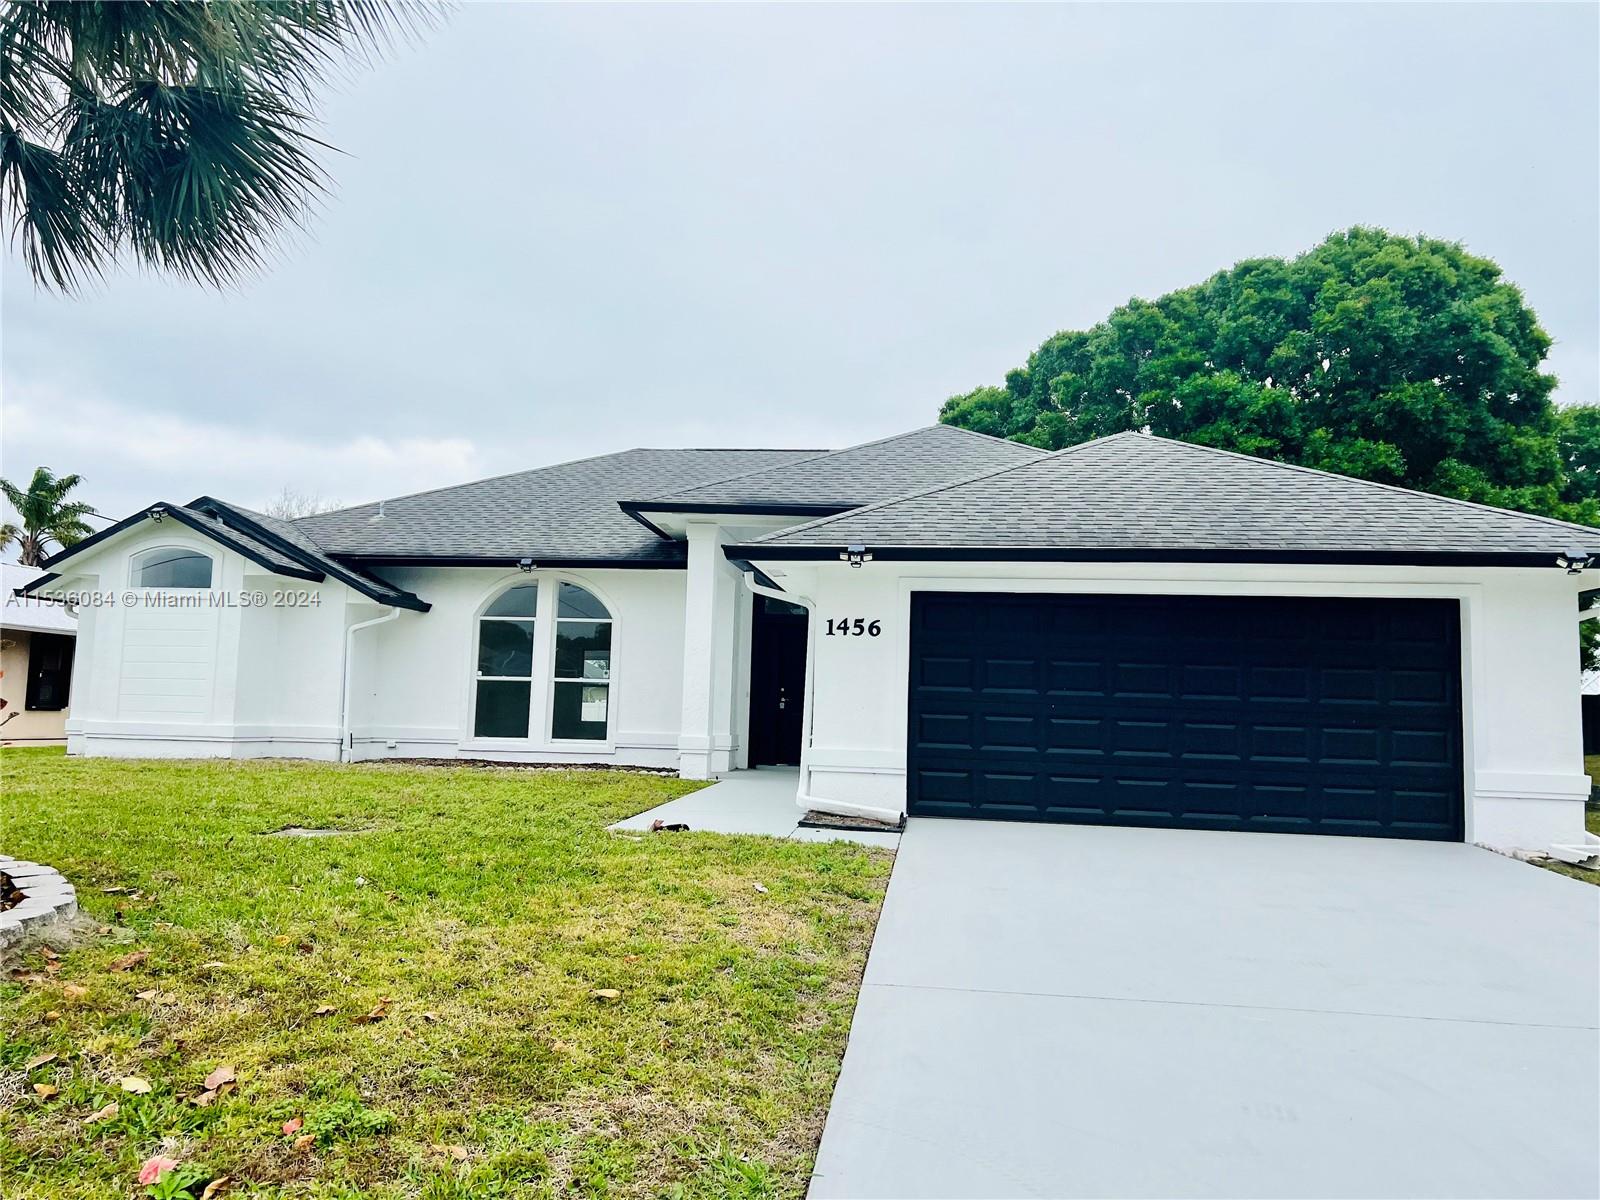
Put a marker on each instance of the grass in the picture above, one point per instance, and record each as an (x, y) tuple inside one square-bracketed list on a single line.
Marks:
[(475, 915)]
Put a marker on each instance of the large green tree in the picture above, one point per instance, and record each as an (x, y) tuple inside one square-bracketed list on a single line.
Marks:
[(1404, 360), (173, 134)]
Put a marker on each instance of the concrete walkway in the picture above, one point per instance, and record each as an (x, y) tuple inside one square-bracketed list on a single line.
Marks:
[(760, 801), (1060, 1011)]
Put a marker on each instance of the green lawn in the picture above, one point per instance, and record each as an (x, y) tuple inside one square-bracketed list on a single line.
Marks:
[(476, 914)]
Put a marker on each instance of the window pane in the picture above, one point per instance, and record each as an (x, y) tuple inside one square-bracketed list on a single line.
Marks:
[(174, 569), (581, 711), (502, 709), (577, 602), (518, 602), (505, 648), (583, 650)]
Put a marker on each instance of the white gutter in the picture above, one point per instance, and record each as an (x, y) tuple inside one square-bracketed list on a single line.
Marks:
[(347, 751), (803, 797)]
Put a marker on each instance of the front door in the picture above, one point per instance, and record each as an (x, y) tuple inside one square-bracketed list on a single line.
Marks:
[(777, 682)]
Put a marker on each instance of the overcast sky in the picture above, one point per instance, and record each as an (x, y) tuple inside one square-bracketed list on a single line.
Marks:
[(564, 231)]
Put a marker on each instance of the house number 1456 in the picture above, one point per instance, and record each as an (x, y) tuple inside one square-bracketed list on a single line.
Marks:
[(853, 627)]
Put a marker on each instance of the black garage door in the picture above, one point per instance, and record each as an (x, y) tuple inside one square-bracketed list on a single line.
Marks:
[(1338, 716)]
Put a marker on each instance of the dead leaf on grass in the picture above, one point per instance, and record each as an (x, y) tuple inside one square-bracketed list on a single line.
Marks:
[(605, 995), (39, 1060), (324, 1010), (132, 1083), (215, 1187), (45, 1090), (74, 991), (52, 966), (48, 952), (147, 994), (293, 1126), (129, 960), (760, 887), (223, 1074), (204, 1099), (379, 1012), (51, 1017), (103, 1114), (283, 939), (459, 1153), (430, 1017), (305, 1141)]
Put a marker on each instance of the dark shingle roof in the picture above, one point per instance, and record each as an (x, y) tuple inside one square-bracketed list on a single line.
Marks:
[(277, 532), (858, 475), (1162, 499), (265, 541), (565, 513)]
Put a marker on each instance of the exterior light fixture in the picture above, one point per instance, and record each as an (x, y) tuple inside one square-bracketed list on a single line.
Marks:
[(855, 555), (1574, 561), (157, 513), (525, 565)]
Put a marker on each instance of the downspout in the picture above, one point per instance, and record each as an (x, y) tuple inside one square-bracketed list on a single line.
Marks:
[(346, 749), (803, 796)]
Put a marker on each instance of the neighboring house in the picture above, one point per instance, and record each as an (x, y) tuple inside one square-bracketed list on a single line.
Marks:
[(36, 643), (1132, 631)]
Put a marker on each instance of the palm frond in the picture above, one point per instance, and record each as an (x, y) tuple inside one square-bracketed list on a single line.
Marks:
[(180, 133)]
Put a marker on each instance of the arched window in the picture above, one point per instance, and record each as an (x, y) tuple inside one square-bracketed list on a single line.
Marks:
[(171, 567), (505, 664), (582, 701)]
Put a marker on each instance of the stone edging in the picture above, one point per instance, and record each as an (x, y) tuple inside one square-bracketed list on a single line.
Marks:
[(47, 898)]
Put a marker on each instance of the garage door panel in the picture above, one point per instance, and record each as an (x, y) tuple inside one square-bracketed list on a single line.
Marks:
[(1212, 712)]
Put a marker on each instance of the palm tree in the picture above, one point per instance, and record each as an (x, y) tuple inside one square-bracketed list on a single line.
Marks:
[(47, 516), (175, 133)]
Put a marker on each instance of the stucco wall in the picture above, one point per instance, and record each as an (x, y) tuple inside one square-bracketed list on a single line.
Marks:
[(204, 676), (414, 677), (25, 728), (1523, 742)]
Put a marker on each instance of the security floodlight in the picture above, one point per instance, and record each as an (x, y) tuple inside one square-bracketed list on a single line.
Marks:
[(855, 555), (525, 565)]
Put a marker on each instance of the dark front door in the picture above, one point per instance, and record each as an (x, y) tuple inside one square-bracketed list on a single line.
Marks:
[(777, 682), (1277, 715)]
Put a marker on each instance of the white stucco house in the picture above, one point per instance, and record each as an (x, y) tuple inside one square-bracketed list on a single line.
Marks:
[(1131, 631)]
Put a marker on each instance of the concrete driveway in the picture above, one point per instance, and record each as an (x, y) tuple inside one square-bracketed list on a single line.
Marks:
[(1060, 1011)]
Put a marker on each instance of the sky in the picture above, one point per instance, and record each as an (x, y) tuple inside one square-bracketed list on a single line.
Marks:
[(563, 231)]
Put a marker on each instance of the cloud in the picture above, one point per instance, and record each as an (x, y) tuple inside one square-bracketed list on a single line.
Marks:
[(129, 458)]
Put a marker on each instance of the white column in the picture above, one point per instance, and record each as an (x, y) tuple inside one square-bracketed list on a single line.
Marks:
[(705, 740)]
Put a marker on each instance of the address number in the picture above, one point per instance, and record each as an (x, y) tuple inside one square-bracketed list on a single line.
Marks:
[(853, 627)]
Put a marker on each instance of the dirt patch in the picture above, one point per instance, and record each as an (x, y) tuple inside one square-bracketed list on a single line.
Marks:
[(489, 764), (300, 831), (822, 820)]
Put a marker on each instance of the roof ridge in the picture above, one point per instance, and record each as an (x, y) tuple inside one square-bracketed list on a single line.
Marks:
[(743, 474), (1371, 483), (450, 487), (991, 437), (893, 437), (931, 491)]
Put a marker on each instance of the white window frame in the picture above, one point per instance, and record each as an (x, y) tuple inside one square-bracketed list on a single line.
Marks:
[(554, 679), (541, 700), (533, 656), (136, 567)]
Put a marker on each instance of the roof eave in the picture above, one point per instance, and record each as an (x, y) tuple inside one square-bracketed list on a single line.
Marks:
[(211, 529), (638, 508), (1131, 554), (502, 560)]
